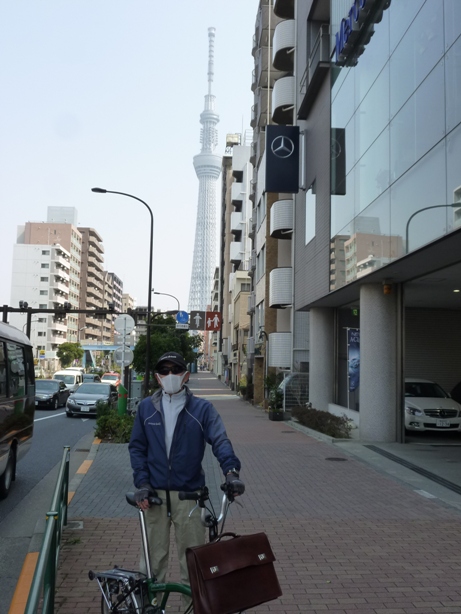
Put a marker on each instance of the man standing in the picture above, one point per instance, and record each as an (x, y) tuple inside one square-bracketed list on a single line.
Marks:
[(167, 447)]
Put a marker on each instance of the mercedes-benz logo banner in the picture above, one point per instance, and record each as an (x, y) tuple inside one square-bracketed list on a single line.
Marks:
[(282, 159)]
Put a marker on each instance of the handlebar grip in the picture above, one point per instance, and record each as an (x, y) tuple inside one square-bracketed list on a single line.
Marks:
[(188, 496)]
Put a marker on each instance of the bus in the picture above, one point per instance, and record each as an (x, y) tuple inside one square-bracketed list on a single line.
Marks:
[(17, 402)]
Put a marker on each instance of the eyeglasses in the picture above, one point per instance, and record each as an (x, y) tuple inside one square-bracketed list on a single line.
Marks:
[(175, 369)]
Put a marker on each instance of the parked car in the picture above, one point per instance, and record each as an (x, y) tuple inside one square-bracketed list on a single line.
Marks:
[(83, 402), (50, 393), (428, 407), (91, 377), (111, 378)]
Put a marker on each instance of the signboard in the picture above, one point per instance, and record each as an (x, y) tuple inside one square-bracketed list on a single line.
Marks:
[(182, 317), (205, 320), (282, 159), (41, 354), (213, 320), (183, 326), (124, 324), (123, 356), (197, 320)]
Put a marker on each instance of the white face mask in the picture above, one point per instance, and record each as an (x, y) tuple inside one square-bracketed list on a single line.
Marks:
[(171, 383)]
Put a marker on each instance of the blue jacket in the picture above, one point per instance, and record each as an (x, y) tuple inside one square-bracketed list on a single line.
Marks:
[(198, 423)]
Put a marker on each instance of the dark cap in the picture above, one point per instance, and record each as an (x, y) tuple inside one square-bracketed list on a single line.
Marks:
[(173, 357)]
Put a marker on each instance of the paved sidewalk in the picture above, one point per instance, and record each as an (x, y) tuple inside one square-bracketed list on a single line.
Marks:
[(348, 536)]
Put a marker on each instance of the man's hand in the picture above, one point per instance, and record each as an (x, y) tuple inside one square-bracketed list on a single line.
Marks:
[(235, 485), (141, 496)]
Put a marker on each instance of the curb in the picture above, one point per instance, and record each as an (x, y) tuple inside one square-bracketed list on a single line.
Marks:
[(24, 583)]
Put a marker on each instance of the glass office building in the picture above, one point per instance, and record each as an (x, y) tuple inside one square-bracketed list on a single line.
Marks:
[(395, 107)]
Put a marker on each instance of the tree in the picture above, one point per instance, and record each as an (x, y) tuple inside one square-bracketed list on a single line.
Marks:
[(164, 338), (68, 352)]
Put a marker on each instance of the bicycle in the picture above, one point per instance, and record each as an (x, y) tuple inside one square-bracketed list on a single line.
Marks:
[(132, 592)]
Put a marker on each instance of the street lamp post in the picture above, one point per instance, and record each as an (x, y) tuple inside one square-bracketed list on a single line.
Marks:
[(407, 229), (79, 331), (165, 294), (149, 290)]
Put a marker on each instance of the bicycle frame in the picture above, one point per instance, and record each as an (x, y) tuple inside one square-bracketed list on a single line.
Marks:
[(136, 592)]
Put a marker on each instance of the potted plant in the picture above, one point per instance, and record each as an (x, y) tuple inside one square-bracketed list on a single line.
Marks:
[(275, 400)]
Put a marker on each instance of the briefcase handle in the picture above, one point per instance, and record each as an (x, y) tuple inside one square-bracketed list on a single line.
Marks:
[(232, 535)]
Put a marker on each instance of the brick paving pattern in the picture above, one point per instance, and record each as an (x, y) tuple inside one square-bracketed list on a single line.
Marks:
[(347, 539)]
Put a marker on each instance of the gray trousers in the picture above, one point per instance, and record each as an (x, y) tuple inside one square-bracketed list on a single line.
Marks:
[(188, 532)]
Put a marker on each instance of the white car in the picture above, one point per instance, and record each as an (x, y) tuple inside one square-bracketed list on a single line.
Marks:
[(429, 408)]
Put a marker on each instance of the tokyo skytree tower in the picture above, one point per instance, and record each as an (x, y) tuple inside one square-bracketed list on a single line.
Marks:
[(208, 167)]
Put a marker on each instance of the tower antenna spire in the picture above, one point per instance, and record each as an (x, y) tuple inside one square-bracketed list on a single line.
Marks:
[(207, 166)]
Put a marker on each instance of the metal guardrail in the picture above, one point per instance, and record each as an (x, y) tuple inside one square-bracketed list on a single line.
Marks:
[(42, 591)]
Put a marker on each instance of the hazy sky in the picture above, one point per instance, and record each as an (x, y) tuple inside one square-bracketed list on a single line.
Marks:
[(109, 93)]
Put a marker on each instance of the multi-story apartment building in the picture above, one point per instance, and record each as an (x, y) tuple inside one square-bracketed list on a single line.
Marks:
[(278, 335), (235, 283), (375, 244), (41, 277), (59, 229), (92, 296)]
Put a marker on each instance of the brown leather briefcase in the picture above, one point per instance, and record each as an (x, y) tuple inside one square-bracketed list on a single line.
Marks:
[(231, 575)]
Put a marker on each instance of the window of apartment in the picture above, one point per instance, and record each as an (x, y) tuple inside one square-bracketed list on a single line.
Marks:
[(41, 319), (45, 265), (45, 252), (311, 200), (43, 292), (245, 287), (41, 334), (43, 306), (44, 278), (261, 263)]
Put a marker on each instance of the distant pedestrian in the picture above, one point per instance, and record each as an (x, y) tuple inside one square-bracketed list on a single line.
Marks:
[(166, 451)]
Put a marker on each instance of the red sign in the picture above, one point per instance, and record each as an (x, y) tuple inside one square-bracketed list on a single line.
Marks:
[(213, 320)]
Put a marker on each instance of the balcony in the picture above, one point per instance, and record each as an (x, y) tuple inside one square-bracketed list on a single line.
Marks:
[(58, 325), (284, 8), (279, 350), (235, 255), (318, 66), (265, 73), (236, 222), (59, 285), (283, 100), (281, 219), (251, 270), (262, 32), (261, 106), (280, 288), (237, 195), (283, 46)]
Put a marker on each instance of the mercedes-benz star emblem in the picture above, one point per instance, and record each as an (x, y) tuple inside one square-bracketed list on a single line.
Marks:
[(282, 147)]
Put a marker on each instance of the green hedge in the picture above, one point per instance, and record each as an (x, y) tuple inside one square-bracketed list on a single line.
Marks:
[(111, 426), (323, 422)]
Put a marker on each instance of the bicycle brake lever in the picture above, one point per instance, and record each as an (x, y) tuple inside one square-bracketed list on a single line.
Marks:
[(193, 509)]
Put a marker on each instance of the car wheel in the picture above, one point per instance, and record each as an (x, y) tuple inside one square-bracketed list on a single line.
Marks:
[(8, 475), (55, 403)]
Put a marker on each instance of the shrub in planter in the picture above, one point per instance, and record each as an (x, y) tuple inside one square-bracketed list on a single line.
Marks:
[(323, 421), (112, 427)]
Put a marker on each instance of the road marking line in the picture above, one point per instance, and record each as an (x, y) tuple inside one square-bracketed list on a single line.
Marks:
[(70, 496), (21, 593), (85, 466), (97, 440), (426, 494), (46, 417)]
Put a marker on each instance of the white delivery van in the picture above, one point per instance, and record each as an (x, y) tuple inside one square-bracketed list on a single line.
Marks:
[(72, 379)]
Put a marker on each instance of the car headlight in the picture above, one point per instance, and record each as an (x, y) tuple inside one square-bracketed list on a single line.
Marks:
[(413, 411), (71, 401)]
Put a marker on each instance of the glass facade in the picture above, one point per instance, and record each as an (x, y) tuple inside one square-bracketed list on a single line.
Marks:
[(399, 107)]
